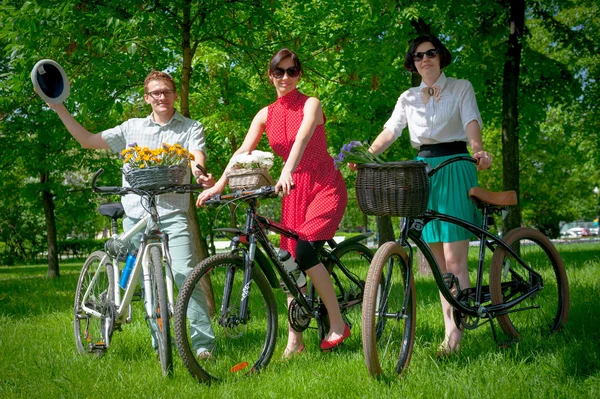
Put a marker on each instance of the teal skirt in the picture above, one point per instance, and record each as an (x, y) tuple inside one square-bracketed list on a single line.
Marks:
[(449, 194)]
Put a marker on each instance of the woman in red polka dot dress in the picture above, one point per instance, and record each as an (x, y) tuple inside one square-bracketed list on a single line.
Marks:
[(296, 132)]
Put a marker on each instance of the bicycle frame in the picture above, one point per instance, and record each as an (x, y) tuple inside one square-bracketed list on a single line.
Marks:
[(254, 232), (141, 268), (412, 229), (254, 236), (118, 245)]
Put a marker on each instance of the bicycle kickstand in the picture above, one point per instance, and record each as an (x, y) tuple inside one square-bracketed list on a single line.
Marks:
[(504, 344)]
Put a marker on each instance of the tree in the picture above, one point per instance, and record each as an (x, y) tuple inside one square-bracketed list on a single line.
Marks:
[(510, 119)]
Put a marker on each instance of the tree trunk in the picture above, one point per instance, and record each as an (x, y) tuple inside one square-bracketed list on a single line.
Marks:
[(186, 69), (510, 122), (199, 253), (48, 204), (199, 247), (385, 229)]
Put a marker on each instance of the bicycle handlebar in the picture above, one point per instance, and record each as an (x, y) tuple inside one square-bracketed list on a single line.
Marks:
[(262, 192), (432, 171), (119, 190)]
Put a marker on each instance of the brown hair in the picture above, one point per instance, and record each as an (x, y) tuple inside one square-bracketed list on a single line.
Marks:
[(282, 55), (444, 54), (158, 75)]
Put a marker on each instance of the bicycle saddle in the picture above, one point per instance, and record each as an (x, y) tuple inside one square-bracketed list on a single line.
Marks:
[(481, 196), (113, 210)]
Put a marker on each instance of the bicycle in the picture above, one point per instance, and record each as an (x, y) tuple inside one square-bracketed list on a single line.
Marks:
[(527, 290), (245, 315), (101, 304)]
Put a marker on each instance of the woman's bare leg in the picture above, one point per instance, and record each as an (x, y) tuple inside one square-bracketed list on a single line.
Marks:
[(322, 282), (452, 258)]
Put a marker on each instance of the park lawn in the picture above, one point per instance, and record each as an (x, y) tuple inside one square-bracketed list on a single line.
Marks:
[(38, 356)]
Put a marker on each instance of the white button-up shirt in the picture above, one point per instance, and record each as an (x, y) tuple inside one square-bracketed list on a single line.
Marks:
[(441, 121), (147, 133)]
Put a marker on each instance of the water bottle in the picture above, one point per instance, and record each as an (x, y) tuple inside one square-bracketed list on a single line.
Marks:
[(292, 269), (129, 263)]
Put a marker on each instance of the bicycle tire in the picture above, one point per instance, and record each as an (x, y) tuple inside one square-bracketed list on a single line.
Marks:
[(387, 337), (93, 331), (160, 317), (240, 348), (508, 280), (356, 258)]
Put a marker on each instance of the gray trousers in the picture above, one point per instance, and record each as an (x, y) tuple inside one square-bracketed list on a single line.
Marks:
[(176, 227)]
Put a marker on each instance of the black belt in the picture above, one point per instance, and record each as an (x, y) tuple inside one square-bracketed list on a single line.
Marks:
[(442, 149)]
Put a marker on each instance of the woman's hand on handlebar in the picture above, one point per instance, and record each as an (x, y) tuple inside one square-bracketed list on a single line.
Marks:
[(484, 160), (206, 194), (285, 183)]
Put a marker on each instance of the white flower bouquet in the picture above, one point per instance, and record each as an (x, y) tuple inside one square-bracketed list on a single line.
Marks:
[(252, 160), (250, 171)]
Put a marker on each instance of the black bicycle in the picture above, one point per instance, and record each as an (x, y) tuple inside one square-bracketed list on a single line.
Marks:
[(526, 289), (245, 316)]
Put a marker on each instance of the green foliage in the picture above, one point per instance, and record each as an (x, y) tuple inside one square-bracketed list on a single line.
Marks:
[(352, 52)]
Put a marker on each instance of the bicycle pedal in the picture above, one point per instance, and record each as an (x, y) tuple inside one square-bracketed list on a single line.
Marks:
[(97, 348), (450, 281), (507, 343)]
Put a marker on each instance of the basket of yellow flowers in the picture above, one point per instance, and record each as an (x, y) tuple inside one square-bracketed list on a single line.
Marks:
[(151, 169)]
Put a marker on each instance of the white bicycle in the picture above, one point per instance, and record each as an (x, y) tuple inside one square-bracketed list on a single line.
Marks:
[(103, 300)]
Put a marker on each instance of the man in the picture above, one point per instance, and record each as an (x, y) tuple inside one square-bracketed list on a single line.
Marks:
[(163, 125)]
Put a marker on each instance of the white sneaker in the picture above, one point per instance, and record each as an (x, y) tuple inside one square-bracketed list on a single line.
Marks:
[(203, 354)]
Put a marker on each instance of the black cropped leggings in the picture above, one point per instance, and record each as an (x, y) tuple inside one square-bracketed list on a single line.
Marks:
[(307, 253)]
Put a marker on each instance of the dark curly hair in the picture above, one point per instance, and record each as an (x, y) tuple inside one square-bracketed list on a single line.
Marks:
[(443, 53)]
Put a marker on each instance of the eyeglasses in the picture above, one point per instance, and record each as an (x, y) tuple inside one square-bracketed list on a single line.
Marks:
[(418, 57), (156, 94), (292, 72)]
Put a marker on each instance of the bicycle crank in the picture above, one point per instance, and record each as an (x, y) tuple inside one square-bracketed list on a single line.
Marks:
[(297, 316)]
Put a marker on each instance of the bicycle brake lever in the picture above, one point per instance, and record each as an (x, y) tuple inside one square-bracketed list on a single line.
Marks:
[(202, 169)]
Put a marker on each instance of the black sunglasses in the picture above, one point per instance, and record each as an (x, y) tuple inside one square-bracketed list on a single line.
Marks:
[(292, 72), (429, 53)]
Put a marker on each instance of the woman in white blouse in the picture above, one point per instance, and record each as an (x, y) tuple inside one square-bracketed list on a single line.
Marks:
[(442, 118)]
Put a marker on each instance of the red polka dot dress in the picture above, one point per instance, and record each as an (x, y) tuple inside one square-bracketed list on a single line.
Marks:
[(316, 206)]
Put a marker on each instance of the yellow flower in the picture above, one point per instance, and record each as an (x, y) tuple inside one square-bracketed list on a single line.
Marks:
[(138, 157)]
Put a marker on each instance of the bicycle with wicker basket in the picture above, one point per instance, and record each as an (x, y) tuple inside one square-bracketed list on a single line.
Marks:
[(105, 293), (525, 290), (245, 317)]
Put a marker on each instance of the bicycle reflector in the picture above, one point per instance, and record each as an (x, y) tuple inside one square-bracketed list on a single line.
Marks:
[(50, 81), (238, 367)]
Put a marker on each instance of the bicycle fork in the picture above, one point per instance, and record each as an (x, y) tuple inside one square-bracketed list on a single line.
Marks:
[(226, 319)]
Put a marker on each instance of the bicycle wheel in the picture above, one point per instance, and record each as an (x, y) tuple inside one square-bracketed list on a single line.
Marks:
[(348, 282), (240, 347), (160, 319), (388, 334), (93, 314), (545, 310)]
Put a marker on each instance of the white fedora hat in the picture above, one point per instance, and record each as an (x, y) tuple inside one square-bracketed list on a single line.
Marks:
[(50, 81)]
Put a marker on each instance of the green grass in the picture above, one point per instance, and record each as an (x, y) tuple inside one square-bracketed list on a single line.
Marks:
[(38, 356)]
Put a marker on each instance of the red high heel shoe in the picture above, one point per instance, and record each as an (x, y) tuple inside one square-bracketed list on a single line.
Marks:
[(329, 345)]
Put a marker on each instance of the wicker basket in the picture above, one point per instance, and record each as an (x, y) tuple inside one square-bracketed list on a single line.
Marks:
[(393, 189), (155, 176), (249, 179)]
